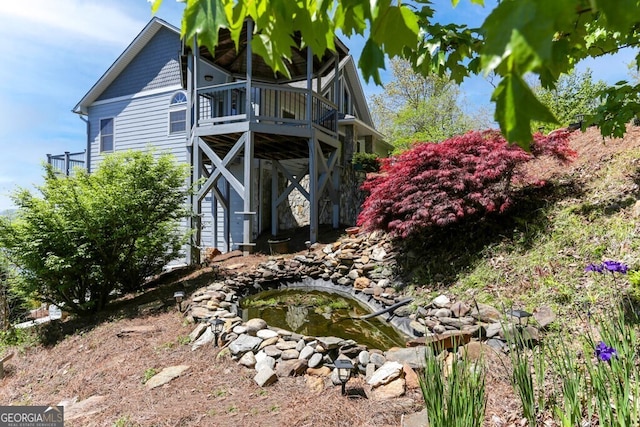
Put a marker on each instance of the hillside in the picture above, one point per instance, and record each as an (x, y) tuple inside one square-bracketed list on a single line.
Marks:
[(535, 257)]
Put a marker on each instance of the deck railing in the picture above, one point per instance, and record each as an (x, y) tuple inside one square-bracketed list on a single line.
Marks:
[(270, 104), (64, 163)]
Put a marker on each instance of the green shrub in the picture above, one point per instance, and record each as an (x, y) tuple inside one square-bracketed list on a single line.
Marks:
[(90, 236), (367, 162)]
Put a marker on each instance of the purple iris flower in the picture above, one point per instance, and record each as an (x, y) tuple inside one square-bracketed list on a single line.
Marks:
[(612, 266), (615, 267), (605, 353), (596, 268)]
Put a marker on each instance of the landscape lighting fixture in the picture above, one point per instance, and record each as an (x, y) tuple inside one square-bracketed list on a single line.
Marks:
[(344, 367), (216, 328), (521, 314), (308, 245), (179, 296), (208, 77)]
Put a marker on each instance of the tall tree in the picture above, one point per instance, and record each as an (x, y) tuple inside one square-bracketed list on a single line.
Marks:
[(542, 37), (574, 94), (414, 107)]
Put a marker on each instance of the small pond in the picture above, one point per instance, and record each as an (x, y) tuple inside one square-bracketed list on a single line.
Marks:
[(319, 314)]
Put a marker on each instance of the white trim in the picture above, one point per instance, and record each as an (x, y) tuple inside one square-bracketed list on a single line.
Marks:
[(182, 106), (175, 104), (173, 88), (176, 110), (113, 135)]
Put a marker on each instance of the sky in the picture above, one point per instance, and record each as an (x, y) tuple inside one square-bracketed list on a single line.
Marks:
[(54, 51)]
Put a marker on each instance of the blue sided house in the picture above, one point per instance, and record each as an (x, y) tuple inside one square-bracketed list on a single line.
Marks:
[(267, 152)]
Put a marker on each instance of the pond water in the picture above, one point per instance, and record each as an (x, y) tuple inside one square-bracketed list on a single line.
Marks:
[(319, 314)]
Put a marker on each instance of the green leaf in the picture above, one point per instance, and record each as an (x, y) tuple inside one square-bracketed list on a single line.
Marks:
[(352, 20), (620, 14), (203, 19), (155, 6), (405, 29), (371, 61), (263, 45), (525, 30), (516, 107)]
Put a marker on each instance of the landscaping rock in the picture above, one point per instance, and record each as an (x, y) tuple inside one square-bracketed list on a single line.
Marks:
[(392, 390), (166, 375), (267, 361), (254, 325), (248, 360), (544, 316), (460, 309), (286, 345), (323, 371), (316, 360), (329, 343), (266, 334), (415, 357), (386, 373), (272, 351), (84, 408), (485, 313), (204, 339), (377, 359), (291, 368), (441, 301), (265, 377), (195, 334), (363, 358), (416, 419), (473, 351), (306, 353), (410, 376), (290, 354), (493, 329), (244, 343)]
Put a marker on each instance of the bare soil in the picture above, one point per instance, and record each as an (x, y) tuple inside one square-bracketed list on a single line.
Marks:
[(92, 358)]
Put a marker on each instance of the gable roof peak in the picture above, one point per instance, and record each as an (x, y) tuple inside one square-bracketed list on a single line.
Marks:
[(139, 42)]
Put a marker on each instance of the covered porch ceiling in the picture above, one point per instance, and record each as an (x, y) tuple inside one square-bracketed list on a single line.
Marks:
[(267, 146), (234, 62)]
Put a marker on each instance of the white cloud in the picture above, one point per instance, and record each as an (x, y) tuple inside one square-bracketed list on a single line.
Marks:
[(46, 19)]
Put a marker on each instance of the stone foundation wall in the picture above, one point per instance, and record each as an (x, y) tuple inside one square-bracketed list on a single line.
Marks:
[(295, 211)]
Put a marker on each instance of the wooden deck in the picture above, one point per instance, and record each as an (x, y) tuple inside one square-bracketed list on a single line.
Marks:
[(282, 119)]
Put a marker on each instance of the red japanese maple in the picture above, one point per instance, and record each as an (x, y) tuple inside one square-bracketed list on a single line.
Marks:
[(436, 184)]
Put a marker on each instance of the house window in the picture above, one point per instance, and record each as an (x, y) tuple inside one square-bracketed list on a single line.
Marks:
[(346, 101), (106, 134), (178, 113)]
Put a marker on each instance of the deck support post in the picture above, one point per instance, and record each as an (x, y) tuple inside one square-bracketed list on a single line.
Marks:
[(274, 199), (313, 191), (248, 213)]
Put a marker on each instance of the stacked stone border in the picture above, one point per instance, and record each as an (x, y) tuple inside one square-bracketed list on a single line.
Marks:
[(361, 267)]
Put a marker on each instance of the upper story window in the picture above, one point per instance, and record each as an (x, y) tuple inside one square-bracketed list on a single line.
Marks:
[(179, 98), (178, 113), (346, 100), (106, 134)]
